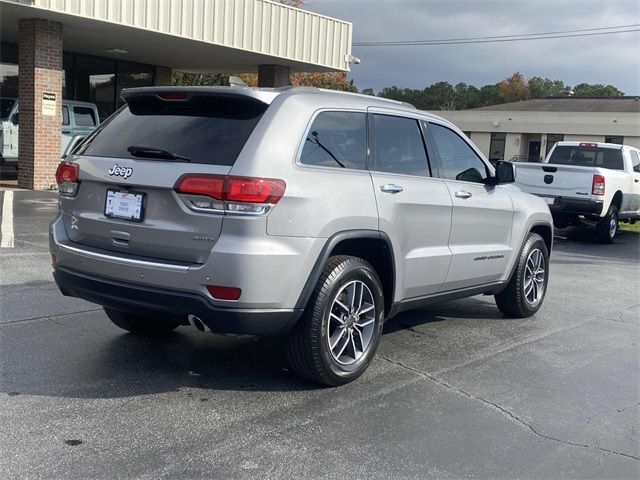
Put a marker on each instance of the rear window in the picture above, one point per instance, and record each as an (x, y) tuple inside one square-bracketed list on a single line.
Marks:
[(207, 129), (578, 156)]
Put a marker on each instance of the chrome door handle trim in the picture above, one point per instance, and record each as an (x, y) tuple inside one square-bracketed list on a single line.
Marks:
[(463, 194), (391, 188)]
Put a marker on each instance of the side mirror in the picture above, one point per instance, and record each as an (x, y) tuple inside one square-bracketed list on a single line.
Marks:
[(14, 118), (505, 172)]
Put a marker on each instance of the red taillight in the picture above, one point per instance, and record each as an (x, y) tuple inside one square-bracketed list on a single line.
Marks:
[(67, 172), (598, 185), (208, 185), (235, 192), (224, 293), (253, 190), (588, 144), (174, 95)]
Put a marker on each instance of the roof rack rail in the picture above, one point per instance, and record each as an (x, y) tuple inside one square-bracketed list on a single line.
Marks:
[(340, 92)]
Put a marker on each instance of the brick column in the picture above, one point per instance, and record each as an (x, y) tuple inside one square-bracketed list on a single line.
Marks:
[(273, 76), (162, 76), (40, 67)]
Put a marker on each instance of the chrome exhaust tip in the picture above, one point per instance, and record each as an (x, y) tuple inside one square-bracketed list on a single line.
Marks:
[(196, 322)]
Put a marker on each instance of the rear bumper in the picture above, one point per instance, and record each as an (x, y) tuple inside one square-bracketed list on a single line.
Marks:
[(575, 206), (170, 303)]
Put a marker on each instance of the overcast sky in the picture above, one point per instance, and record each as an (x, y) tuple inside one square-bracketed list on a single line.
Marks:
[(613, 59)]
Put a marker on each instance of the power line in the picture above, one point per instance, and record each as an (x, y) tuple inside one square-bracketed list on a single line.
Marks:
[(586, 32)]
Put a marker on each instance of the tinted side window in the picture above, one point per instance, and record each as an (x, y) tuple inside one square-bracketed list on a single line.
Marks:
[(84, 117), (635, 161), (336, 139), (65, 115), (458, 161), (398, 146)]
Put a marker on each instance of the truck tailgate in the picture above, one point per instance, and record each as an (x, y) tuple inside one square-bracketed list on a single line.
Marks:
[(550, 180)]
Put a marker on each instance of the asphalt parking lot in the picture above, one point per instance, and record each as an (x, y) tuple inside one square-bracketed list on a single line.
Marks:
[(457, 390)]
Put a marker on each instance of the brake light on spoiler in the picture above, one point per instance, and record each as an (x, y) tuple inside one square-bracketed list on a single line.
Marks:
[(227, 193), (588, 145)]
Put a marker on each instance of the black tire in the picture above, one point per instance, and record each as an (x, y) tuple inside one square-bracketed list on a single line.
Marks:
[(308, 350), (141, 325), (514, 300), (607, 228)]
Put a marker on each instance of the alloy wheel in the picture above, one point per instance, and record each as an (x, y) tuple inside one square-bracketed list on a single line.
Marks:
[(351, 322), (534, 277)]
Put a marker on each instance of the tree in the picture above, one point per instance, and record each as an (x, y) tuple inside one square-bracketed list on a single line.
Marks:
[(439, 96), (545, 87), (514, 88), (490, 95), (596, 90), (197, 79)]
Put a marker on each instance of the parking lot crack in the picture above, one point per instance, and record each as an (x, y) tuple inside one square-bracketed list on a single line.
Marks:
[(58, 322), (49, 317), (512, 416)]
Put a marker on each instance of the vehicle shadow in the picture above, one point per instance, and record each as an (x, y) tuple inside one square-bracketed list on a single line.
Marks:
[(576, 245), (117, 365), (467, 308)]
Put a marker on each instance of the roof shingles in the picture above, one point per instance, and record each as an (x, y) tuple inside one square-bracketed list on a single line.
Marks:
[(570, 104)]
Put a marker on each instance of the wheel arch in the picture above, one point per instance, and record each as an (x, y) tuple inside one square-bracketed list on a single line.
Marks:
[(546, 232), (371, 245), (617, 199)]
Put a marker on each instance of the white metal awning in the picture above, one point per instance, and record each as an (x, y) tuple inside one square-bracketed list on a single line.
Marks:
[(192, 35)]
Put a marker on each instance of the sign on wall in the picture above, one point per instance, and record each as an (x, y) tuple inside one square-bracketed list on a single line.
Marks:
[(49, 104)]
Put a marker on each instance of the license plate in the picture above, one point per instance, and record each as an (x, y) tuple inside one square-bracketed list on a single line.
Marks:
[(124, 205), (549, 200)]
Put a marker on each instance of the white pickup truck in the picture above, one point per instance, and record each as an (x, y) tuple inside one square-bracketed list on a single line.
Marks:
[(585, 182)]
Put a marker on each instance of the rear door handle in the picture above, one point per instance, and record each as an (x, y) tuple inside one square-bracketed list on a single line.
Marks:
[(463, 194), (391, 188), (66, 131)]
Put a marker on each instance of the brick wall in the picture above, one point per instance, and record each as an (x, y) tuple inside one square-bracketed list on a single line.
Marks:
[(40, 66)]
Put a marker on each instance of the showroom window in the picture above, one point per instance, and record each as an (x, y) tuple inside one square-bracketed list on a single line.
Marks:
[(496, 148), (614, 139)]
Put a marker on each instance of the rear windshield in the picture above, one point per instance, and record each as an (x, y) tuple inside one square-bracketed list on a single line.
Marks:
[(206, 129), (6, 104), (610, 158)]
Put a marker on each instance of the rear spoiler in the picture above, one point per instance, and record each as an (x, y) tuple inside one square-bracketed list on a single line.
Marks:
[(168, 94)]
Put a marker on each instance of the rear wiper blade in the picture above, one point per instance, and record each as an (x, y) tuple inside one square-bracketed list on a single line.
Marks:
[(316, 140), (141, 151)]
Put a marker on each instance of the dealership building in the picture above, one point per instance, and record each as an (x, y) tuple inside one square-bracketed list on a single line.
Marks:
[(527, 130), (89, 50)]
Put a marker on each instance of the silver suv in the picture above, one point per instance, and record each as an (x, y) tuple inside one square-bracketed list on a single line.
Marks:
[(300, 212)]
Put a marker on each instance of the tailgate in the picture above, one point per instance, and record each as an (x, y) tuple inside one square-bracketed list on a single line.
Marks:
[(167, 229), (549, 180)]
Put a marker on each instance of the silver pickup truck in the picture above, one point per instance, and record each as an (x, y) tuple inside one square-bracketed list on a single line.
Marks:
[(78, 120), (586, 182)]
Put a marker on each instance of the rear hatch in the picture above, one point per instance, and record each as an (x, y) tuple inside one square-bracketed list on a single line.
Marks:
[(569, 171), (128, 169)]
